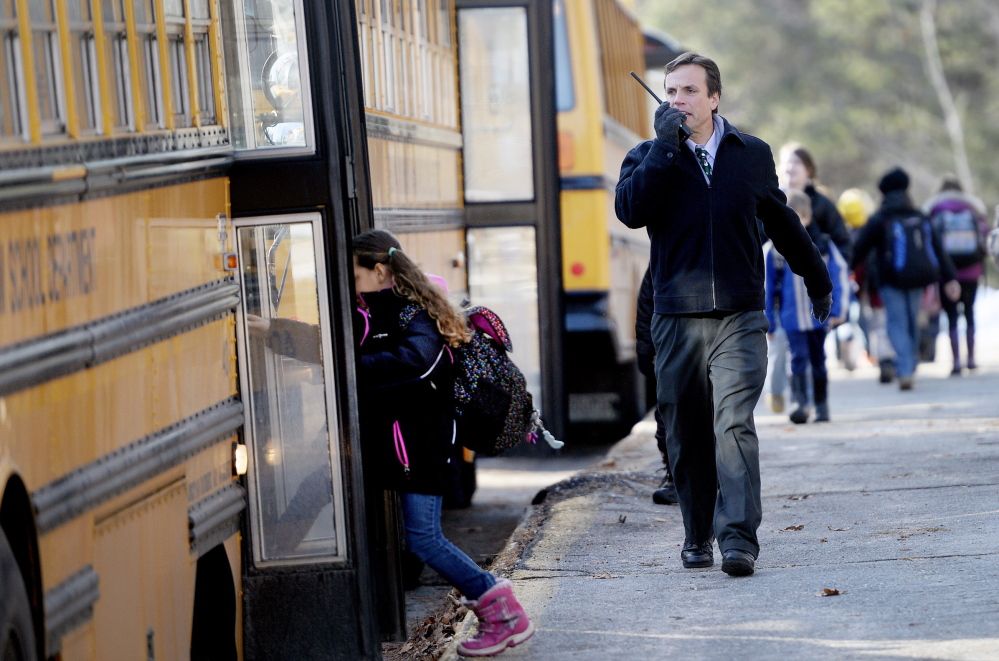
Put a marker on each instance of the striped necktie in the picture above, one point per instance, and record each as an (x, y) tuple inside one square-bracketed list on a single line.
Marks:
[(702, 158)]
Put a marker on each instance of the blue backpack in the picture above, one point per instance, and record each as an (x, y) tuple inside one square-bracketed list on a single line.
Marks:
[(495, 411), (909, 252)]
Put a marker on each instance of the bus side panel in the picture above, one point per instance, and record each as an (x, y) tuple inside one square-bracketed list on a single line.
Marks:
[(183, 246), (582, 124), (69, 264), (409, 174), (438, 252), (145, 583), (83, 416), (585, 242), (629, 248)]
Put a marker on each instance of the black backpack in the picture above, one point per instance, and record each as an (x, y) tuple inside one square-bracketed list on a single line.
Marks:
[(495, 411), (909, 253)]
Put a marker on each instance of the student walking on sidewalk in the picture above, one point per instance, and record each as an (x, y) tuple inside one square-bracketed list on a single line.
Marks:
[(699, 198), (407, 328), (909, 258), (787, 304), (959, 218)]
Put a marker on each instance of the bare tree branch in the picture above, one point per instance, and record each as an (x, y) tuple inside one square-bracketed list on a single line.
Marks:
[(952, 118)]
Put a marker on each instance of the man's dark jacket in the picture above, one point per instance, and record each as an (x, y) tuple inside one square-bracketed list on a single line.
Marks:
[(706, 251), (644, 347)]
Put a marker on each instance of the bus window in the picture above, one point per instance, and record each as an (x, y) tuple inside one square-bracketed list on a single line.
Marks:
[(173, 11), (503, 276), (119, 75), (296, 509), (48, 67), (150, 77), (565, 93), (267, 71), (496, 104), (11, 75), (200, 26), (85, 79)]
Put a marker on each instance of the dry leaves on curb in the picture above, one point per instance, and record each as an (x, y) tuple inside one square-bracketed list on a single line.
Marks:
[(429, 639)]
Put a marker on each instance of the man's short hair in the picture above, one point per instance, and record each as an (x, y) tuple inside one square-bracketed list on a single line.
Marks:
[(710, 70), (800, 202)]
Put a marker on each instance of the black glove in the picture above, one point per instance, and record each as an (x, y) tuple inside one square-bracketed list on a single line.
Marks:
[(667, 123), (821, 307)]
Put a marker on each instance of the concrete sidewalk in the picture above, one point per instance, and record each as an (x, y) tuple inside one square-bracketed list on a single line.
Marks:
[(894, 505)]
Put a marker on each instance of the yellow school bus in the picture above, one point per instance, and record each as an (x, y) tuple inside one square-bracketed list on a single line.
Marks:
[(602, 113), (458, 144), (173, 488)]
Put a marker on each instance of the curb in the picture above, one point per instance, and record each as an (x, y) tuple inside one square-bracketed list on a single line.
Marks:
[(502, 565), (534, 518)]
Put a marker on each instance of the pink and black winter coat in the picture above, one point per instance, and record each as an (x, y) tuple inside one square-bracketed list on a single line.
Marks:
[(406, 379)]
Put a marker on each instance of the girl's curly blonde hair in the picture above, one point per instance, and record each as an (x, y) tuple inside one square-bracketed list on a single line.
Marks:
[(375, 247)]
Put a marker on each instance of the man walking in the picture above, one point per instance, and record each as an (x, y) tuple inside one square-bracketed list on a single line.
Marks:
[(699, 200)]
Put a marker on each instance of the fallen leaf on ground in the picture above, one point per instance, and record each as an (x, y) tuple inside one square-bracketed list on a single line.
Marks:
[(830, 592), (798, 497), (801, 527), (824, 540), (837, 529), (661, 520), (603, 575)]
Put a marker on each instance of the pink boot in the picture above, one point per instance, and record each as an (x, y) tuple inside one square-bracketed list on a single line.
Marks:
[(502, 622)]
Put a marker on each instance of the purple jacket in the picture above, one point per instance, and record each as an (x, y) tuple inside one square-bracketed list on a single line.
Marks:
[(952, 200)]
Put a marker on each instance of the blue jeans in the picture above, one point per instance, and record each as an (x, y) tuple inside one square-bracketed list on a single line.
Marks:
[(902, 308), (422, 518), (808, 349)]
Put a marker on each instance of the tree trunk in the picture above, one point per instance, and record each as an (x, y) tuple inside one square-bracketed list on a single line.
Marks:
[(952, 118)]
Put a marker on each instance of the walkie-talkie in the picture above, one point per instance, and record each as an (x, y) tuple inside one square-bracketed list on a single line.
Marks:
[(684, 129)]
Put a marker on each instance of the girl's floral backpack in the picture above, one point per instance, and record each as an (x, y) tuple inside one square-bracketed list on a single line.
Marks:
[(495, 410)]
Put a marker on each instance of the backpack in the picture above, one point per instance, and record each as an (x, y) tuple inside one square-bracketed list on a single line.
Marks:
[(495, 411), (959, 235), (909, 254)]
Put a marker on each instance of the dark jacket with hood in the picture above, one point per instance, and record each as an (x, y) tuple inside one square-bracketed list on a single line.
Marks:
[(706, 251), (406, 394), (874, 236), (829, 221)]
